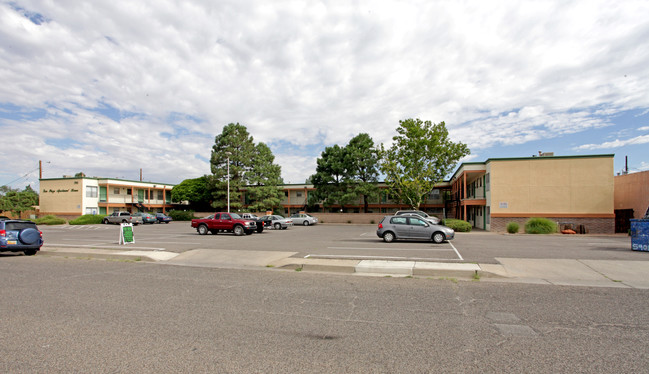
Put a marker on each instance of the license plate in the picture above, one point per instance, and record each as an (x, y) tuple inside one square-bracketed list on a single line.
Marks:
[(11, 242)]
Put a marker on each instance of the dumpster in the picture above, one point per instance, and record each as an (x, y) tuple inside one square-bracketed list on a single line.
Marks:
[(640, 235)]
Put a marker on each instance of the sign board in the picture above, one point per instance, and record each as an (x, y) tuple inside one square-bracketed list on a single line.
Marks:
[(126, 235), (503, 205)]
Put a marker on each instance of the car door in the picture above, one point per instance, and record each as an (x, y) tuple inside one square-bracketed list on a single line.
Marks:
[(401, 228), (419, 229), (216, 222)]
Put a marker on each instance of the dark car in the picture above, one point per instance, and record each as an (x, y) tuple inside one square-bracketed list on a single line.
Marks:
[(412, 228), (162, 218), (20, 236)]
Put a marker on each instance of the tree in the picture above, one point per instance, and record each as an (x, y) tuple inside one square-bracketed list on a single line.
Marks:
[(234, 145), (249, 164), (331, 180), (362, 160), (421, 156), (194, 191), (16, 201), (263, 179)]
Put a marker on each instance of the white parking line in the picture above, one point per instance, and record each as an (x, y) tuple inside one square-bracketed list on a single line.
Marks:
[(458, 253), (379, 258), (394, 249)]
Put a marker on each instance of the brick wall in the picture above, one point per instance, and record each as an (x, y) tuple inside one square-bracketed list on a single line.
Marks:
[(592, 225)]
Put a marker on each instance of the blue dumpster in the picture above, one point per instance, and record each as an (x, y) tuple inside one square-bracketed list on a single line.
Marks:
[(640, 234)]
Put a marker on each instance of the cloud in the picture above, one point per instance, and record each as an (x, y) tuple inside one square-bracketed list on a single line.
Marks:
[(308, 75), (615, 144)]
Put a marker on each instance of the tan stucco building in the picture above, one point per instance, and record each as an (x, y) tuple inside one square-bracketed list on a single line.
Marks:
[(631, 198), (75, 196), (575, 191)]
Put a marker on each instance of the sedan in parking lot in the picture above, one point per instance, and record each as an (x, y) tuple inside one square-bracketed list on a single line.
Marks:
[(163, 218), (146, 217), (276, 221), (412, 228), (303, 219)]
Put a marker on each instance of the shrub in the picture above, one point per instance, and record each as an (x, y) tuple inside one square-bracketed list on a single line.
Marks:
[(540, 226), (181, 215), (512, 227), (88, 219), (457, 224), (50, 220)]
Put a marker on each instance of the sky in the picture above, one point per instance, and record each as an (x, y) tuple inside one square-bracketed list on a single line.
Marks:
[(109, 88)]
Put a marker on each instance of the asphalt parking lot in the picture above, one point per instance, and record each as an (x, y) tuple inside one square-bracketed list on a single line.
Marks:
[(350, 242)]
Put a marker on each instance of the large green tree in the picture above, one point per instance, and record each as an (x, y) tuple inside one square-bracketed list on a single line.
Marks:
[(249, 164), (264, 178), (331, 180), (195, 191), (362, 163), (421, 155)]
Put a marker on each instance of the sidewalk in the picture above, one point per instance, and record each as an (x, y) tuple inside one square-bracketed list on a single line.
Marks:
[(591, 273)]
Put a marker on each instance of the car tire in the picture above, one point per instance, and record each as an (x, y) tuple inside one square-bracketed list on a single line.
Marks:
[(260, 229), (30, 252), (105, 221), (438, 237), (388, 237), (238, 230), (29, 236), (277, 226), (305, 223), (202, 229)]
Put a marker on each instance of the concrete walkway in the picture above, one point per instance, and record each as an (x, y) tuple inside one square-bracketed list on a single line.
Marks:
[(592, 273)]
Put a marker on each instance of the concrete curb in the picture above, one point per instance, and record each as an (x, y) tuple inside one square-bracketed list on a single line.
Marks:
[(108, 254)]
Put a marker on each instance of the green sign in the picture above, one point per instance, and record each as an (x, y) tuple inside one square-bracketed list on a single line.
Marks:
[(126, 235)]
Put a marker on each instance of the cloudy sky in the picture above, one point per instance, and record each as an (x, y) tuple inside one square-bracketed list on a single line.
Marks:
[(112, 87)]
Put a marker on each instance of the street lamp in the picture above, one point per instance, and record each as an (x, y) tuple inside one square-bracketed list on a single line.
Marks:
[(228, 154)]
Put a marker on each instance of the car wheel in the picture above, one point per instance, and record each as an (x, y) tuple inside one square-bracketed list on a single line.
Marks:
[(438, 237), (305, 223), (124, 221), (388, 237), (30, 252), (202, 230), (238, 230), (260, 229), (105, 221), (278, 226)]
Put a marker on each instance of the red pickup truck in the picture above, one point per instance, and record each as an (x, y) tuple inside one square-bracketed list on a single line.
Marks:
[(219, 222)]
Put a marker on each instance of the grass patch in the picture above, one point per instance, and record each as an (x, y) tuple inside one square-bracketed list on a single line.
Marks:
[(476, 276), (88, 219), (539, 225), (457, 224), (299, 269), (50, 220), (270, 266)]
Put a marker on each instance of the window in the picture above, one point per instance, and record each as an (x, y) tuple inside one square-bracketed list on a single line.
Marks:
[(160, 197), (298, 194), (417, 222), (129, 191), (486, 182), (399, 220), (116, 191), (146, 194), (91, 210), (487, 213), (91, 191), (434, 195), (226, 217)]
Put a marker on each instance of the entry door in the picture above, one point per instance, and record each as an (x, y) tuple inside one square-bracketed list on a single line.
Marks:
[(140, 196)]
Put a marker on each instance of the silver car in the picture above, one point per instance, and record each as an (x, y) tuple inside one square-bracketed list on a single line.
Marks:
[(276, 221), (418, 213), (412, 228), (304, 219)]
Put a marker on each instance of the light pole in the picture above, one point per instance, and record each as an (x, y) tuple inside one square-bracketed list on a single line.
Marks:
[(228, 183)]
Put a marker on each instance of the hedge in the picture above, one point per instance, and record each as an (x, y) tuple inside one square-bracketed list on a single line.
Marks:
[(457, 224), (181, 215), (540, 226), (88, 219)]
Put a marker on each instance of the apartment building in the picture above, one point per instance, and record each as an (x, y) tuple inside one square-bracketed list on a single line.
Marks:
[(75, 196)]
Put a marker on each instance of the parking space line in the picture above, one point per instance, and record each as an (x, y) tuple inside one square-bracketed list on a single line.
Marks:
[(394, 249), (456, 251), (351, 257)]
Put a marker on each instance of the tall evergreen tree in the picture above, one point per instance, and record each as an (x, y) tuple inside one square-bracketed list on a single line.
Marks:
[(362, 164), (263, 179), (331, 180)]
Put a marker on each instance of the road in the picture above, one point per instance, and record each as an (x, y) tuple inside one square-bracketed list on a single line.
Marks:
[(81, 315)]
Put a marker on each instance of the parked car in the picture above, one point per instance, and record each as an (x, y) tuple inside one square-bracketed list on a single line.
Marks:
[(276, 221), (412, 228), (303, 219), (220, 222), (146, 217), (122, 217), (20, 236), (434, 220), (163, 218), (252, 217)]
